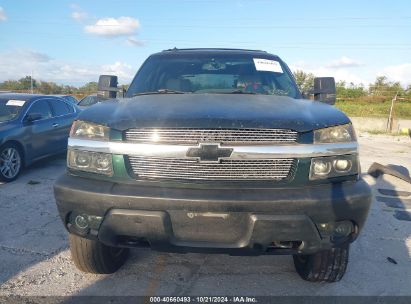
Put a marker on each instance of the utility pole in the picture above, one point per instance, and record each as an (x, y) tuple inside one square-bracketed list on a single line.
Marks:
[(31, 82), (390, 118)]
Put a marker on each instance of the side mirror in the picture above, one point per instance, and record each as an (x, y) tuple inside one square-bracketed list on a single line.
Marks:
[(324, 90), (107, 86), (33, 117)]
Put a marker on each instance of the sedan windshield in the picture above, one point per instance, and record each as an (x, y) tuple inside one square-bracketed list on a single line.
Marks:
[(237, 74), (10, 109), (88, 101)]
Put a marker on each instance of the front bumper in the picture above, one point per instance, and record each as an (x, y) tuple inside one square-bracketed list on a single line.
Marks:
[(238, 221)]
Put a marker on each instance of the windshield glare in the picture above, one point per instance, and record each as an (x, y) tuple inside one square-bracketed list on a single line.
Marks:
[(214, 74), (8, 112)]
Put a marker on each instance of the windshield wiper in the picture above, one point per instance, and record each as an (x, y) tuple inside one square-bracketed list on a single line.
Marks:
[(241, 92), (159, 91)]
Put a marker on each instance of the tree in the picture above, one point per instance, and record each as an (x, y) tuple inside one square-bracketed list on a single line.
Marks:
[(350, 91), (18, 85), (10, 85), (50, 88), (305, 81), (88, 88), (383, 87), (26, 82)]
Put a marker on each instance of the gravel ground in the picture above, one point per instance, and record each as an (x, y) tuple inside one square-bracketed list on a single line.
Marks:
[(34, 257)]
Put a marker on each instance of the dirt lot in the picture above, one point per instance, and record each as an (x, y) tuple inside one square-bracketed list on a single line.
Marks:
[(34, 258)]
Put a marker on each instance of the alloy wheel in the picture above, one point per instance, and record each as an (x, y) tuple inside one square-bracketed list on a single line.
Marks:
[(10, 162)]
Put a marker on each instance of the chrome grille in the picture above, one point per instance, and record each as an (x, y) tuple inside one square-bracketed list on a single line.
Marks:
[(226, 170), (195, 136)]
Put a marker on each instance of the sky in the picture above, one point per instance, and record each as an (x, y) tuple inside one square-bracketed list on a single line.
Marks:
[(72, 42)]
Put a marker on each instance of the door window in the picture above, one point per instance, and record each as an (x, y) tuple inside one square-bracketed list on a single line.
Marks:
[(60, 108), (41, 107)]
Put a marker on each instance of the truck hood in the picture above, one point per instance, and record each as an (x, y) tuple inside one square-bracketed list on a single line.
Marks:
[(214, 111)]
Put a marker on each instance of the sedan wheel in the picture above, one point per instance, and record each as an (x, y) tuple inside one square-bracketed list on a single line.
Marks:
[(10, 162)]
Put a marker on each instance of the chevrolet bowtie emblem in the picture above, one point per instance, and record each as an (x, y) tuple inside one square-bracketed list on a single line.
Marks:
[(209, 152)]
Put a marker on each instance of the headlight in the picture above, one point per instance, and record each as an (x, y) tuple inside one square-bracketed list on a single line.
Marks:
[(89, 130), (338, 134), (94, 162), (333, 166)]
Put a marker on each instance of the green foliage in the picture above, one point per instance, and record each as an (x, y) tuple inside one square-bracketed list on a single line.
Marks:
[(88, 88), (383, 87), (21, 84), (374, 109), (305, 81), (49, 88), (350, 91)]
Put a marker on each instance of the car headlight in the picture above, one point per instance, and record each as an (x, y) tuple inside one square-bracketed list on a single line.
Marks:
[(94, 162), (89, 130), (337, 134), (333, 166)]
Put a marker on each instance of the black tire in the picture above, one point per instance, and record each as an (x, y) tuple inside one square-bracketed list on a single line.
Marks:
[(94, 257), (324, 266), (17, 163)]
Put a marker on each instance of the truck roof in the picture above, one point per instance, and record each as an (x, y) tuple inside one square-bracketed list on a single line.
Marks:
[(212, 50)]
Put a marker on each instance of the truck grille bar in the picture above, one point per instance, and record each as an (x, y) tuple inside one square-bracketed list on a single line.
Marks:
[(225, 170), (222, 136)]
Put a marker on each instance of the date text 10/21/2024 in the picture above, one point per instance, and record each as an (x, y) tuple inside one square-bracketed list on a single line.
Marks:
[(204, 299)]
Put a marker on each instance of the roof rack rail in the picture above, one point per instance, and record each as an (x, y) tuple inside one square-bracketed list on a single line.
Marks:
[(211, 49)]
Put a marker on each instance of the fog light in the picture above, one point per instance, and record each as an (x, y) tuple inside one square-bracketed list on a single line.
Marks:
[(81, 222), (342, 165), (321, 167), (343, 228), (82, 159), (102, 162)]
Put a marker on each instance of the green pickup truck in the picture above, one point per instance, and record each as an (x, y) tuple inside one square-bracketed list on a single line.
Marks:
[(214, 151)]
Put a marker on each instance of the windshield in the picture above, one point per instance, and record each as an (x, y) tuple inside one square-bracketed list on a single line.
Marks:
[(70, 99), (214, 74), (10, 109), (88, 101)]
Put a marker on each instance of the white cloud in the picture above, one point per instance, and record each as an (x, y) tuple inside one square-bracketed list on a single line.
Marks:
[(112, 27), (340, 74), (121, 69), (109, 27), (33, 56), (3, 16), (133, 41), (401, 73), (344, 62), (79, 16), (16, 64), (77, 13), (339, 69)]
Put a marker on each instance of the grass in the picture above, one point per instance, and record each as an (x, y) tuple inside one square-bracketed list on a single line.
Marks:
[(354, 108), (380, 132)]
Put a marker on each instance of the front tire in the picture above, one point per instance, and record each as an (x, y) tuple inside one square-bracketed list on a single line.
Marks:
[(324, 266), (11, 162), (95, 257)]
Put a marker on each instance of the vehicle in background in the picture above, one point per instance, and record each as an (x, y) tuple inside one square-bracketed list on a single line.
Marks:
[(32, 127), (89, 101), (71, 99)]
